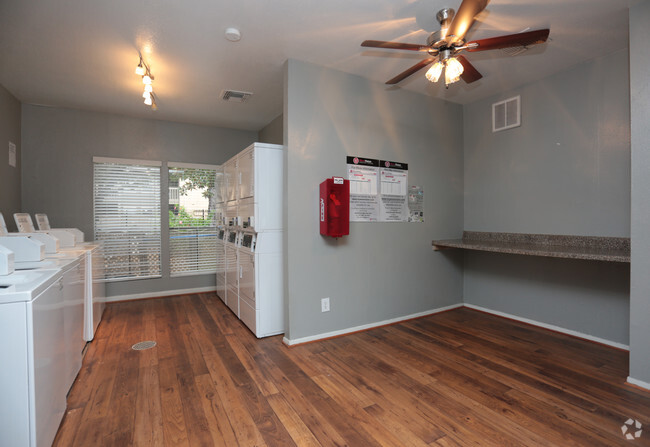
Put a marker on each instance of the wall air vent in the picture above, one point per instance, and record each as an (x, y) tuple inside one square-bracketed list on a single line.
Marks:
[(506, 114), (235, 96)]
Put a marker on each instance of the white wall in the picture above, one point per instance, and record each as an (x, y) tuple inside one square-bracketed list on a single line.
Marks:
[(381, 270)]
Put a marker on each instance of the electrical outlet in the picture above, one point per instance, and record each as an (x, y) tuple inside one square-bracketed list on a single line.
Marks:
[(325, 305)]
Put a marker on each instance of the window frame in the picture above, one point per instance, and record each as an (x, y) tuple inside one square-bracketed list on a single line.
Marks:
[(205, 271), (154, 203)]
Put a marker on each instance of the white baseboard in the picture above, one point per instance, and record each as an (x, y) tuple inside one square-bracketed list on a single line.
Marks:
[(551, 327), (639, 383), (142, 296), (363, 327)]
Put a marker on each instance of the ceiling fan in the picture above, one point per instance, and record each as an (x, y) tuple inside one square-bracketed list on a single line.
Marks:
[(443, 47)]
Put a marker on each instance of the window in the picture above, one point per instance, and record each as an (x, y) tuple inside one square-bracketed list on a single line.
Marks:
[(127, 217), (192, 223)]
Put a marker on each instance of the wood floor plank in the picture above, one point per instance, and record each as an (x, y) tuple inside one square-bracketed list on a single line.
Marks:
[(297, 429), (454, 412), (174, 426), (215, 412), (68, 431), (125, 385), (148, 412), (539, 392), (266, 387), (324, 404), (481, 389), (459, 378), (244, 427), (266, 420), (390, 398)]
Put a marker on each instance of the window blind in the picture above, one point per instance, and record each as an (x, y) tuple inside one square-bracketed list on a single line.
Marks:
[(192, 222), (127, 217)]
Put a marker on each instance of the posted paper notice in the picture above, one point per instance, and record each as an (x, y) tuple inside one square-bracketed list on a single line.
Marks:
[(363, 174)]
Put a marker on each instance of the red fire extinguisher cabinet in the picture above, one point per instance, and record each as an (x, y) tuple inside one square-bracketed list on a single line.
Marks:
[(335, 207)]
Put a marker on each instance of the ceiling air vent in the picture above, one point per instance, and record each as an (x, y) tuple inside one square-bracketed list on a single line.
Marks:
[(506, 114), (235, 96)]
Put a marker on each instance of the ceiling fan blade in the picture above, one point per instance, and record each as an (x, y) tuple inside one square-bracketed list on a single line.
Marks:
[(470, 73), (509, 41), (463, 19), (414, 69), (394, 45)]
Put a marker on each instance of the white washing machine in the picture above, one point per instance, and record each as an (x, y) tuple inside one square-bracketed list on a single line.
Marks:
[(69, 244), (34, 373)]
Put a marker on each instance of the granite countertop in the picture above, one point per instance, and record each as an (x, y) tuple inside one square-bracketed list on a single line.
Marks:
[(612, 249)]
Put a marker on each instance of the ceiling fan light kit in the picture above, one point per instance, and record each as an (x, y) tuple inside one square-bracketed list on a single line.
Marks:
[(433, 74), (147, 79), (443, 48)]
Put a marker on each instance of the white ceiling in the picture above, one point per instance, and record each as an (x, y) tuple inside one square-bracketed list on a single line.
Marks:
[(82, 53)]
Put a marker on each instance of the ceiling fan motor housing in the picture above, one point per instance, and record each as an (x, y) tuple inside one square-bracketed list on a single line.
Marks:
[(445, 16), (439, 39)]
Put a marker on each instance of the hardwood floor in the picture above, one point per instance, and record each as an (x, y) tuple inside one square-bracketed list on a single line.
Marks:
[(459, 378)]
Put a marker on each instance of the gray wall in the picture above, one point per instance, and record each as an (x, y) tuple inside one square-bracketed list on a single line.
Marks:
[(273, 132), (9, 176), (640, 227), (59, 145), (566, 170), (381, 270)]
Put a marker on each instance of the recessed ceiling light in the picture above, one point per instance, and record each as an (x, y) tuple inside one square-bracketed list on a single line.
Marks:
[(233, 34)]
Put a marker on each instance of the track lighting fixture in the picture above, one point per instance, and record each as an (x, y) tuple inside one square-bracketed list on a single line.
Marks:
[(139, 70), (147, 79)]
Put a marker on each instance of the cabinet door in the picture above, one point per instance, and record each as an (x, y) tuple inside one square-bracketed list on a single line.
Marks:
[(221, 270), (48, 338), (97, 295), (245, 164), (220, 186), (232, 273), (247, 278), (73, 319), (221, 286), (232, 180), (14, 375), (233, 300)]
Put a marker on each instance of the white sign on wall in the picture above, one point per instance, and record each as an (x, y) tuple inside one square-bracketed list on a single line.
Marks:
[(394, 180), (363, 174), (378, 190)]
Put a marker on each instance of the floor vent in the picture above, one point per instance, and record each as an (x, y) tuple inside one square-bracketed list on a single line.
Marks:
[(235, 96), (506, 114), (143, 345)]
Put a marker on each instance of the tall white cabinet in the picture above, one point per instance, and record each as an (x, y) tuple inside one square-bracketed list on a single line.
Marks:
[(250, 268)]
